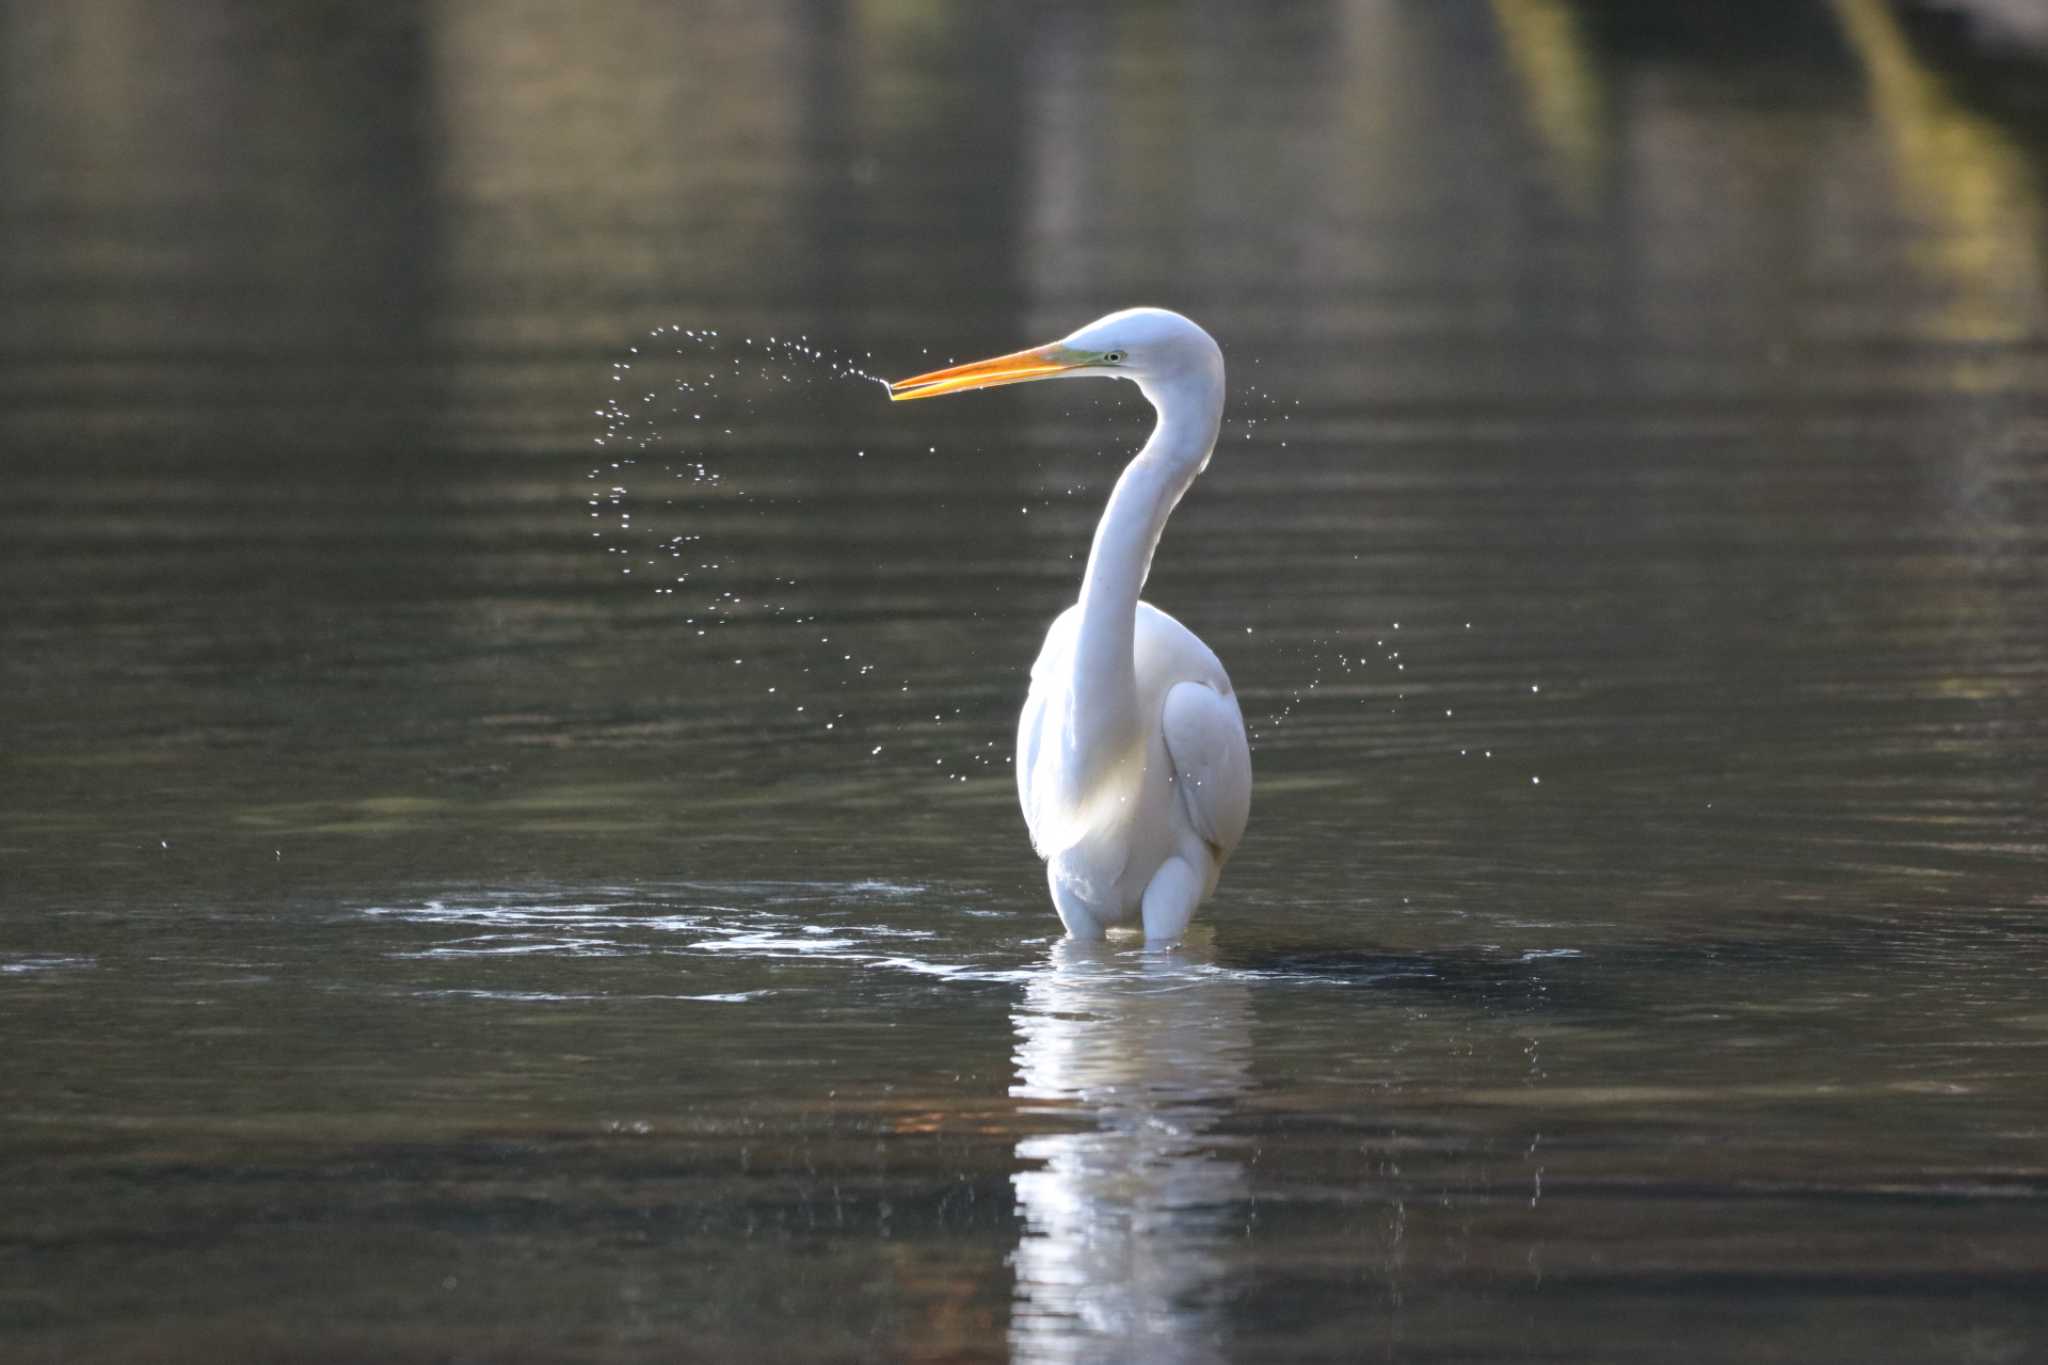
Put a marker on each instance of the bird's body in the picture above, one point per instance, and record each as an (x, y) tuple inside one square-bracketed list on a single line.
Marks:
[(1177, 791), (1132, 763)]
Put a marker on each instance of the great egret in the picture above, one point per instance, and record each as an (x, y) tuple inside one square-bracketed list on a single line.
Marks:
[(1132, 764)]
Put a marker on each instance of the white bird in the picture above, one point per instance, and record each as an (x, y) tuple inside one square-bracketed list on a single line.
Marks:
[(1132, 764)]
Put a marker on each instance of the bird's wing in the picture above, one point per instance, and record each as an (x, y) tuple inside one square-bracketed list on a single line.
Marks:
[(1035, 729), (1212, 762), (1030, 733)]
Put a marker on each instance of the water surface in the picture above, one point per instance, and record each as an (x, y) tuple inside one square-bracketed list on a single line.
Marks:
[(419, 941)]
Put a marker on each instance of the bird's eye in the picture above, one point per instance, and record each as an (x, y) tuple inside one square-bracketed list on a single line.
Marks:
[(1113, 358)]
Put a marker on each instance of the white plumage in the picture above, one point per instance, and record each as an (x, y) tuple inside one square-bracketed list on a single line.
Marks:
[(1132, 763)]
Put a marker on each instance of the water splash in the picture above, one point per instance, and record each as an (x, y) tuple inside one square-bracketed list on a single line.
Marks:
[(695, 392), (1425, 680), (692, 406)]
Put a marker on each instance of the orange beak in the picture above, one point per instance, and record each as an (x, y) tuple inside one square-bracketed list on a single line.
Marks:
[(1041, 363)]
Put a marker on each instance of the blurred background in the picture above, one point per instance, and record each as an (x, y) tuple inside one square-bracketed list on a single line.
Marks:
[(1673, 378), (1736, 314)]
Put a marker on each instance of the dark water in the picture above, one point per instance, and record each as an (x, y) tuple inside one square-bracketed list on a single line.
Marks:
[(421, 943)]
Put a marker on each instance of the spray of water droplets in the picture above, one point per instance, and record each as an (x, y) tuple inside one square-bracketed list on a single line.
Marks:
[(1438, 711), (691, 404)]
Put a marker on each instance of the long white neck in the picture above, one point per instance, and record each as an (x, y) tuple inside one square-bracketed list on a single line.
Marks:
[(1190, 411)]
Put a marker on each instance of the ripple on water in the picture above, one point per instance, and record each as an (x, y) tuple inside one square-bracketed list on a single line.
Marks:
[(867, 924), (936, 933), (24, 964)]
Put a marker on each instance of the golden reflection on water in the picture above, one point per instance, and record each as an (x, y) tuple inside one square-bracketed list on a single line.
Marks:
[(1554, 66), (1127, 1224), (1967, 178)]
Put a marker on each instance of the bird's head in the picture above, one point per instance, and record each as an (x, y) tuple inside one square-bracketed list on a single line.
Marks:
[(1150, 346)]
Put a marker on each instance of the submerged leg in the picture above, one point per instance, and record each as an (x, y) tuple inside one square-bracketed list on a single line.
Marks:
[(1170, 900), (1080, 921)]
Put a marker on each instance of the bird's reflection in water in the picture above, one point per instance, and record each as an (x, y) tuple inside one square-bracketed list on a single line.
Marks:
[(1127, 1223)]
